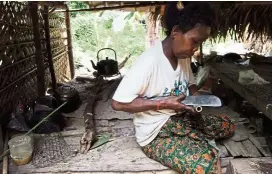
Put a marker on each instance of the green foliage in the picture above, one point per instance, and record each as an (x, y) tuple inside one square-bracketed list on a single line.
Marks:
[(77, 5), (93, 31)]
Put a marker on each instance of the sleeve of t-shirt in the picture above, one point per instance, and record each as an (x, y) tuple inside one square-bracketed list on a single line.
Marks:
[(134, 83)]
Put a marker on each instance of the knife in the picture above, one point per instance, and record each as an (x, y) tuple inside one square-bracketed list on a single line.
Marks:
[(197, 101)]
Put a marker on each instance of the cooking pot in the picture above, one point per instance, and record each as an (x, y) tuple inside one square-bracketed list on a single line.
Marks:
[(107, 67), (67, 93)]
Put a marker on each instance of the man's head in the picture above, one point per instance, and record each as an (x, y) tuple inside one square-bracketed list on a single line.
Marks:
[(188, 27)]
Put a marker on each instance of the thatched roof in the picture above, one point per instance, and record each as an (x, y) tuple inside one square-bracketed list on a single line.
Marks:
[(233, 17), (239, 20)]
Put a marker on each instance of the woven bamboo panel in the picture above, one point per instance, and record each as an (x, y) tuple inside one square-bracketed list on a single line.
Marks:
[(18, 69), (58, 36), (17, 56)]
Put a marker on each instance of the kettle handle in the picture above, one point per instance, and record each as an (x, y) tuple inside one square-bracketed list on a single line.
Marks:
[(106, 49)]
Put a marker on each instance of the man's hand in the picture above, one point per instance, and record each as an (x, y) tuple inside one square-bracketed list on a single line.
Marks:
[(174, 103)]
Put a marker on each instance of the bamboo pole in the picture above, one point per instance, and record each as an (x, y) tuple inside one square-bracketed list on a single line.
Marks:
[(135, 6), (49, 51), (6, 159), (69, 44), (115, 7), (39, 57)]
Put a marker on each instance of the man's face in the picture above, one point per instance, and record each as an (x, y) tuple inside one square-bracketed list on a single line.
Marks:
[(185, 44)]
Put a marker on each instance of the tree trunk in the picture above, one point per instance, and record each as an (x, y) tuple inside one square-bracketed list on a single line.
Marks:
[(152, 30)]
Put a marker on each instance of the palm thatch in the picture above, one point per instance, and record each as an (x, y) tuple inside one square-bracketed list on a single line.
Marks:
[(240, 21), (243, 22)]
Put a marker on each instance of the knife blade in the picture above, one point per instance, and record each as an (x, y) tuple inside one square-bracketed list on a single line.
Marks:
[(200, 100)]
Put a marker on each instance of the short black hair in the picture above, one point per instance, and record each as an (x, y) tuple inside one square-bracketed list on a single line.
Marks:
[(192, 14)]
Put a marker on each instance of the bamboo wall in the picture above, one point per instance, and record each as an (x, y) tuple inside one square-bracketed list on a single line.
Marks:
[(24, 63)]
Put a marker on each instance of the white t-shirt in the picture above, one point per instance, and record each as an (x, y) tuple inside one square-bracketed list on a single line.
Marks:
[(151, 76)]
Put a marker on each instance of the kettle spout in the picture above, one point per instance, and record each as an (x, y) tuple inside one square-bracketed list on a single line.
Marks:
[(93, 65)]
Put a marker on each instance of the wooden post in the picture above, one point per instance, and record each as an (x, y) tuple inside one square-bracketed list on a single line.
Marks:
[(69, 43), (48, 45), (37, 41), (1, 140)]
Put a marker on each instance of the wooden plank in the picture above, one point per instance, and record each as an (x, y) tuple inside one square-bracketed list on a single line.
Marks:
[(225, 161), (69, 43), (250, 166), (264, 152), (243, 92), (224, 170), (251, 149), (262, 140), (235, 148), (37, 40), (223, 152), (239, 135), (48, 46), (121, 155)]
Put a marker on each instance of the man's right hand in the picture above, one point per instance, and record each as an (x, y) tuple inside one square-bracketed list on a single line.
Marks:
[(174, 103)]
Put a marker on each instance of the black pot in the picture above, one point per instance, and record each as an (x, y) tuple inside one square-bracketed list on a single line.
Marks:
[(41, 108), (69, 94)]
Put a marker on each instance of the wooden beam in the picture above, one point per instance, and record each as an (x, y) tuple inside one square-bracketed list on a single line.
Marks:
[(116, 7), (38, 56), (57, 4), (49, 51), (69, 44), (134, 6)]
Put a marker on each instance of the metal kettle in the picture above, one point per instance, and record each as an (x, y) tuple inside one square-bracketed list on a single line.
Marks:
[(106, 67)]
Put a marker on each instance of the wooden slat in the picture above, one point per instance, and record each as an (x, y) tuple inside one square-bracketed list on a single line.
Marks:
[(49, 51), (250, 166), (222, 151), (123, 155), (235, 148), (262, 140), (259, 146), (224, 170), (251, 149), (69, 44), (38, 46), (261, 105), (225, 161)]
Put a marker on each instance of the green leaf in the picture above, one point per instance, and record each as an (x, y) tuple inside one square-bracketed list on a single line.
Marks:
[(105, 138), (101, 13), (129, 16)]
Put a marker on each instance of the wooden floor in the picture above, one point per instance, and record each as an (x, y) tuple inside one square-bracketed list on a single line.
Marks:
[(123, 155)]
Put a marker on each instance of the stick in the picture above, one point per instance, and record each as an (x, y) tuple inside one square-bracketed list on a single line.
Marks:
[(6, 159), (121, 65)]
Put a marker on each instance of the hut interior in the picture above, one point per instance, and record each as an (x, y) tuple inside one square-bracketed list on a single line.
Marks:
[(37, 75)]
